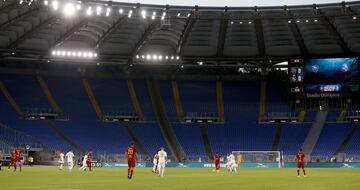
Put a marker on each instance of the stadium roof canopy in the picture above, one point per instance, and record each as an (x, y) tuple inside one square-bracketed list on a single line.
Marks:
[(232, 3), (133, 33)]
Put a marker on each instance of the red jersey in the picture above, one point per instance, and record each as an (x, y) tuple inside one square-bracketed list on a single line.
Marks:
[(13, 154), (300, 157), (89, 157), (131, 152), (217, 158), (17, 153)]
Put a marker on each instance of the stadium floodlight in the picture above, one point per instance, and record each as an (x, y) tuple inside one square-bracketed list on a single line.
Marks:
[(21, 2), (121, 11), (143, 14), (95, 54), (232, 22), (188, 15), (69, 9), (85, 54), (89, 11), (298, 21), (78, 7), (306, 20), (46, 3), (63, 53), (182, 66), (79, 54), (200, 62), (315, 20), (172, 57), (177, 57), (98, 10), (160, 57), (166, 57), (137, 56), (155, 57), (148, 57), (178, 14), (240, 22), (130, 11), (68, 53), (289, 21), (152, 17), (164, 14), (55, 5), (90, 54), (354, 17), (108, 10), (162, 17), (143, 57), (73, 54), (250, 22), (58, 53)]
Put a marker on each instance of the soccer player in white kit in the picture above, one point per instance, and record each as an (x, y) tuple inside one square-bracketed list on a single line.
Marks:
[(155, 161), (84, 165), (61, 160), (232, 163), (162, 161), (70, 160)]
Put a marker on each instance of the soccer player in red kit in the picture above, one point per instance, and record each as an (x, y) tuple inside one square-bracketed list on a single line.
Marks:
[(131, 154), (217, 162), (17, 158), (12, 159), (300, 158), (89, 160)]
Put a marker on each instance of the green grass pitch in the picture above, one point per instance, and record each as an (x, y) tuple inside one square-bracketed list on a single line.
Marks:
[(49, 178)]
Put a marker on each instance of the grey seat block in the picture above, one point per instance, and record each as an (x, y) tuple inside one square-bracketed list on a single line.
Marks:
[(4, 41)]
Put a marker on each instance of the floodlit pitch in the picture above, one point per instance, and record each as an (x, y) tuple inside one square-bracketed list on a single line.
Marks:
[(50, 178)]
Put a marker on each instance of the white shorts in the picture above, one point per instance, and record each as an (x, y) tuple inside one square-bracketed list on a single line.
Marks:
[(161, 165)]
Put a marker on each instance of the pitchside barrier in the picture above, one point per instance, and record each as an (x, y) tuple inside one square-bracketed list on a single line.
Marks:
[(243, 165)]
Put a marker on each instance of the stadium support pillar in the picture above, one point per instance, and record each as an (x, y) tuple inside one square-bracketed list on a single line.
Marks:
[(75, 146), (92, 98), (177, 99), (349, 136), (315, 131), (136, 140), (10, 99), (301, 115), (219, 98), (342, 115), (262, 102), (277, 137), (134, 99), (260, 36), (205, 138), (48, 94), (164, 124)]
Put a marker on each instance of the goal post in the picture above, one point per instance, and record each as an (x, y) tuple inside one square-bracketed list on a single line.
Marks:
[(260, 157)]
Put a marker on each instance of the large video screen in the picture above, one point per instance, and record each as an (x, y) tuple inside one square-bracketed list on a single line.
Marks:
[(323, 75)]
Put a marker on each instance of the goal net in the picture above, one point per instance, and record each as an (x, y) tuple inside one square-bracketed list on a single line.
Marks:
[(261, 158)]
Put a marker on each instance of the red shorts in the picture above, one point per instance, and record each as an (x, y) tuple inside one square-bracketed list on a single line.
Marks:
[(131, 162), (217, 165), (300, 164), (88, 163)]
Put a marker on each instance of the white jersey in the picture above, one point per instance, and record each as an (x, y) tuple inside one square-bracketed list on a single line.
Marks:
[(70, 156), (156, 159), (61, 158), (84, 160), (232, 158), (162, 156)]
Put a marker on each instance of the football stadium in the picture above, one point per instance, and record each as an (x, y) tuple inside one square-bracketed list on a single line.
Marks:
[(182, 95)]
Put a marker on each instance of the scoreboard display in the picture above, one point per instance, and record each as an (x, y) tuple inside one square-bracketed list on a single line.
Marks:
[(324, 77)]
